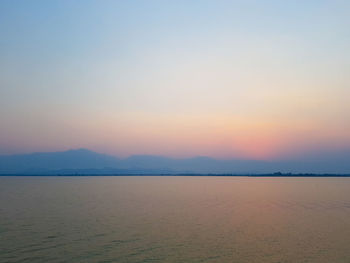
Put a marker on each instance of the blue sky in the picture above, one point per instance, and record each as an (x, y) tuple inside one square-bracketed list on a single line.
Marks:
[(252, 79)]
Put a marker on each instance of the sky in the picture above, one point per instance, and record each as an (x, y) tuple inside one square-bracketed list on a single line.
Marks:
[(226, 79)]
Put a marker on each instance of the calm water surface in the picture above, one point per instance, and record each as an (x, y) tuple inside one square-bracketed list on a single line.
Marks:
[(174, 219)]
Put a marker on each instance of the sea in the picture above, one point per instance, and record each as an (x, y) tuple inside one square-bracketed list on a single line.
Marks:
[(174, 219)]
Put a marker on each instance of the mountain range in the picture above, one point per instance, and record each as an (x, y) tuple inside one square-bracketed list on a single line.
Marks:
[(83, 161)]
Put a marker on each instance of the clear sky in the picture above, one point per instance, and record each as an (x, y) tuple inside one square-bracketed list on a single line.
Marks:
[(227, 79)]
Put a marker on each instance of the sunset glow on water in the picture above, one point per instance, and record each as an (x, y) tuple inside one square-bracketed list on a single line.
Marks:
[(174, 219), (175, 131)]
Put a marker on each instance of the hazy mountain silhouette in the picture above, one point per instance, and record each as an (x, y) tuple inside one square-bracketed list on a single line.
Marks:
[(84, 161), (49, 161)]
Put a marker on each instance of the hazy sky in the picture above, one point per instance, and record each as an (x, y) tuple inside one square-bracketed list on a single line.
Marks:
[(227, 79)]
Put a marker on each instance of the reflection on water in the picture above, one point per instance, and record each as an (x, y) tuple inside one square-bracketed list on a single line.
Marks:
[(174, 219)]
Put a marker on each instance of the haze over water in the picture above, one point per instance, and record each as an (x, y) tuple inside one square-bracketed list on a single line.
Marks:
[(174, 219), (174, 87)]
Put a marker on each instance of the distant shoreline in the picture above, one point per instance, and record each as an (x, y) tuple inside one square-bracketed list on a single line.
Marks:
[(184, 175)]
